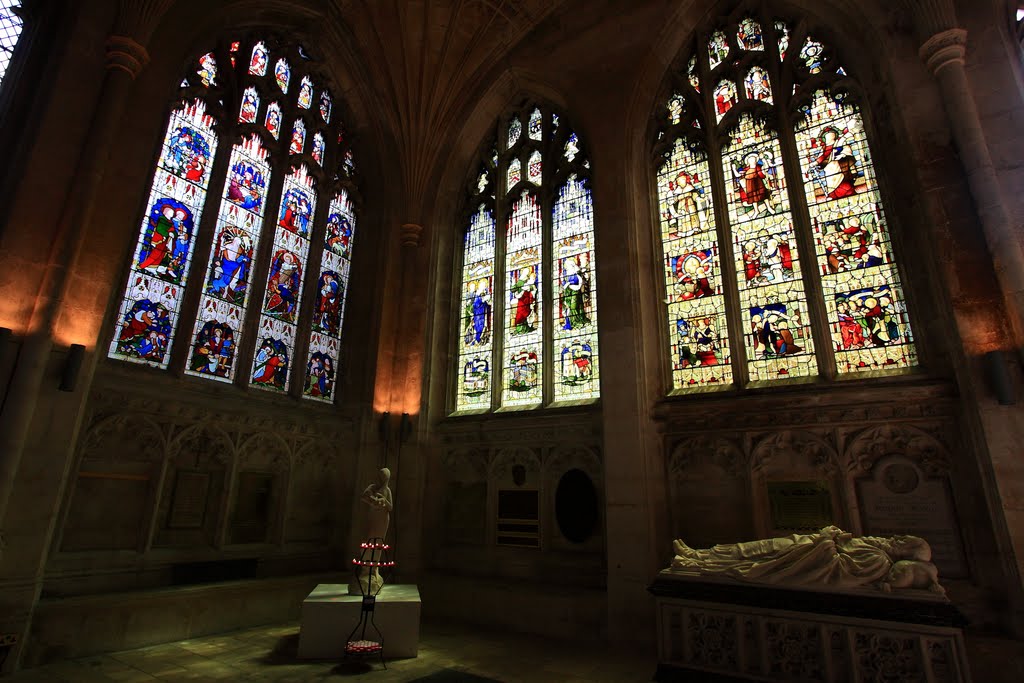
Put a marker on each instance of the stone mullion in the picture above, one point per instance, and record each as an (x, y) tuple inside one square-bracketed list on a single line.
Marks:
[(206, 230), (547, 265), (499, 313)]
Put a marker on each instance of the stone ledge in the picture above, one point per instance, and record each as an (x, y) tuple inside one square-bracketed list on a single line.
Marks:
[(66, 628)]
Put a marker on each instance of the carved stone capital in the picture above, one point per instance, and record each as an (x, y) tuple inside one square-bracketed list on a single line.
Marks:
[(139, 18), (126, 54), (944, 49), (411, 233)]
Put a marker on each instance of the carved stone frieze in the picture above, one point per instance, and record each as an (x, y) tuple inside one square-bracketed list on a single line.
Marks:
[(466, 464), (202, 446), (811, 448), (507, 458), (124, 436), (564, 458), (726, 452), (265, 450), (867, 446), (838, 408)]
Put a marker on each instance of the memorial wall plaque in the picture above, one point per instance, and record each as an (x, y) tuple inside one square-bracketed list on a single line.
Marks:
[(800, 506), (188, 503), (897, 498)]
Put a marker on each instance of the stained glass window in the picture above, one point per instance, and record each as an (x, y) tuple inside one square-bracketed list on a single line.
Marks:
[(476, 320), (282, 74), (696, 308), (222, 307), (10, 30), (536, 124), (524, 304), (331, 291), (298, 143), (865, 303), (250, 106), (534, 168), (546, 350), (273, 120), (260, 57), (225, 328), (149, 311), (306, 92), (772, 299), (325, 106), (515, 129), (575, 328), (283, 293), (796, 282), (318, 148), (207, 71)]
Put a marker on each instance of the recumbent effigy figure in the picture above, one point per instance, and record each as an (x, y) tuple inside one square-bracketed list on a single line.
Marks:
[(829, 557)]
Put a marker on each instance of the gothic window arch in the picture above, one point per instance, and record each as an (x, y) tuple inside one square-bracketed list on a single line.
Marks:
[(777, 255), (526, 333), (241, 265)]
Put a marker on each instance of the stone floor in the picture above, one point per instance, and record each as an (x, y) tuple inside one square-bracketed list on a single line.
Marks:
[(449, 653)]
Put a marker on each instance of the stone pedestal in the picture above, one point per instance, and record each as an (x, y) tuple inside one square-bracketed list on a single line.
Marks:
[(715, 629), (329, 614)]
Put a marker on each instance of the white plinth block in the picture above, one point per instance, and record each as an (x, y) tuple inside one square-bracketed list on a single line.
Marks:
[(329, 614)]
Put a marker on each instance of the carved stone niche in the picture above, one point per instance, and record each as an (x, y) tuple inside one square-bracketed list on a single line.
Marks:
[(709, 492), (464, 474), (574, 491), (796, 483), (192, 500), (903, 487), (515, 489), (112, 494), (315, 495), (257, 504)]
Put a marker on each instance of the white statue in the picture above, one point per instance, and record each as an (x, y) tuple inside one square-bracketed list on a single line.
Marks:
[(377, 496), (829, 557)]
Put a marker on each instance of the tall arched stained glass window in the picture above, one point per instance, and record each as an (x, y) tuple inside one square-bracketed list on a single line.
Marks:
[(10, 30), (151, 305), (778, 262), (283, 156), (528, 272)]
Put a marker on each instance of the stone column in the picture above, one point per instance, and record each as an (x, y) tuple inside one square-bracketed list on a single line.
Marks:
[(406, 390), (125, 59), (943, 51)]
